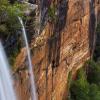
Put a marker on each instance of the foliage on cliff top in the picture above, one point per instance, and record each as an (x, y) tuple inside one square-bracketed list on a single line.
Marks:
[(8, 17), (9, 26), (9, 9)]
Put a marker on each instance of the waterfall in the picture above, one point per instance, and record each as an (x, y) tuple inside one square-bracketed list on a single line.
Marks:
[(33, 88), (6, 83)]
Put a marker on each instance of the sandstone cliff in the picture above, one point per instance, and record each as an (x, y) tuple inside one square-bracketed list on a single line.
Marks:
[(63, 46)]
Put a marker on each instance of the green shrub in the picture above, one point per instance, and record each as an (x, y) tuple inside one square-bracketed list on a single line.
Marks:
[(52, 13), (82, 89), (9, 17), (94, 92), (93, 72)]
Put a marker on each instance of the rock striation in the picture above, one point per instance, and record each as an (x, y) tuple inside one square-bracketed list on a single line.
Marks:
[(62, 47)]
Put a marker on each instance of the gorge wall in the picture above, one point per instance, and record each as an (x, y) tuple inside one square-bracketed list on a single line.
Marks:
[(63, 46)]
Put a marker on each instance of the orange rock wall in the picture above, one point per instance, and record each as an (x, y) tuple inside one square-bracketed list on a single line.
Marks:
[(65, 46)]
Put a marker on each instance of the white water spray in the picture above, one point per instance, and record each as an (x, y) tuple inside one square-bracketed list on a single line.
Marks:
[(33, 90), (6, 84)]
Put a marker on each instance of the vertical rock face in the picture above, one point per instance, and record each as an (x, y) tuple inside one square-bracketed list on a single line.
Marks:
[(64, 47)]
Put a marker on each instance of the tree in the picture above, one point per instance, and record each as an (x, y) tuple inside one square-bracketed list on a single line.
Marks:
[(80, 87), (9, 17), (93, 72)]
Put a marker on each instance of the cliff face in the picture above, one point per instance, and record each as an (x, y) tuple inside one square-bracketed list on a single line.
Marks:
[(63, 46)]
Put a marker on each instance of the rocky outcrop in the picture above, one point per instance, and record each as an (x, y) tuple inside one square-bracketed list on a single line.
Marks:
[(63, 46)]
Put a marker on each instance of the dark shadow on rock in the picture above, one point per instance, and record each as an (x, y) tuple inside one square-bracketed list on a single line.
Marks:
[(44, 5), (54, 43), (32, 1), (96, 55), (92, 24)]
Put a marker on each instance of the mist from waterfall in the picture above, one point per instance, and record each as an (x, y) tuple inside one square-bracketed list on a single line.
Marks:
[(33, 88), (6, 84)]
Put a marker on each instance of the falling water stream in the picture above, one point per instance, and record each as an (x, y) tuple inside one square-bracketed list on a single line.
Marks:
[(6, 84), (33, 88)]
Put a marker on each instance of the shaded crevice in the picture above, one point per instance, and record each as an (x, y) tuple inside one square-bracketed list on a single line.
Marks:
[(44, 6), (54, 43), (55, 40), (92, 22)]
